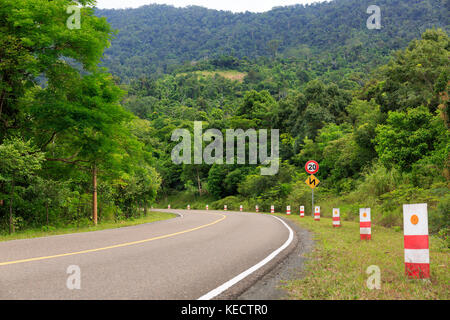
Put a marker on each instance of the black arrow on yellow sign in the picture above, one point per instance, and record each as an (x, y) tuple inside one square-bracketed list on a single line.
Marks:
[(312, 181)]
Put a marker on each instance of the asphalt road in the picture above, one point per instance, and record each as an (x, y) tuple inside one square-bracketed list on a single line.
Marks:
[(183, 258)]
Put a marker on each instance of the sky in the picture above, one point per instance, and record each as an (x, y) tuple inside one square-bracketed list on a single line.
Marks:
[(229, 5)]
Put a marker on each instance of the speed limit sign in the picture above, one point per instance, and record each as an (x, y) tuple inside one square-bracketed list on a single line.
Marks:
[(312, 167)]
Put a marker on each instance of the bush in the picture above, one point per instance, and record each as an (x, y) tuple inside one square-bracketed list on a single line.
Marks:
[(108, 213), (378, 180), (439, 220), (232, 203), (48, 228)]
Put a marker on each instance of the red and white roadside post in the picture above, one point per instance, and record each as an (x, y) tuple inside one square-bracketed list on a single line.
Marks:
[(317, 213), (207, 207), (417, 252), (241, 208), (272, 209), (302, 212), (288, 210), (365, 224), (336, 217), (168, 207), (225, 208), (257, 208), (189, 207)]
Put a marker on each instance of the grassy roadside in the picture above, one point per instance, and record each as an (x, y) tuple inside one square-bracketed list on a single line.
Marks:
[(183, 198), (35, 233), (337, 266)]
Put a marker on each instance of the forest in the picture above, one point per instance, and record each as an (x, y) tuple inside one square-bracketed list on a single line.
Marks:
[(87, 115), (328, 36)]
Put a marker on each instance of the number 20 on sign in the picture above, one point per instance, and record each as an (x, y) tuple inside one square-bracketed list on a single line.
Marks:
[(312, 167)]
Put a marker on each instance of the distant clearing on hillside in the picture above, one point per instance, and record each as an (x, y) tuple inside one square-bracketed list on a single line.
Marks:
[(228, 74)]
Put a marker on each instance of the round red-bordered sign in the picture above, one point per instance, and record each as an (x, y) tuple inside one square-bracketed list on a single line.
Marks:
[(312, 167)]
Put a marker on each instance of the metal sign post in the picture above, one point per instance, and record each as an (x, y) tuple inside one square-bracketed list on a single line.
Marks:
[(312, 167)]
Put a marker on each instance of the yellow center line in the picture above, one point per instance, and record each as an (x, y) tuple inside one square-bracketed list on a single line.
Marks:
[(114, 246)]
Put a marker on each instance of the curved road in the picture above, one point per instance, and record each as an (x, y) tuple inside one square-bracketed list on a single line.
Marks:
[(190, 257)]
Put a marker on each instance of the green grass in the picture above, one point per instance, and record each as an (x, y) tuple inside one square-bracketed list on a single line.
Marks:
[(227, 74), (336, 268), (183, 198), (35, 233)]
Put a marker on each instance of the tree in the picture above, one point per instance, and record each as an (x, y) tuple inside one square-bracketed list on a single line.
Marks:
[(53, 91), (216, 176), (408, 137), (18, 161), (414, 76), (319, 104), (51, 193), (258, 107), (36, 44)]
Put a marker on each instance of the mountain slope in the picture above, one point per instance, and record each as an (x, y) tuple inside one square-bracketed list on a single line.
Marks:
[(153, 38)]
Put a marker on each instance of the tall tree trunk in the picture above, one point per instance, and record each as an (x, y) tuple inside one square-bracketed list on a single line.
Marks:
[(199, 183), (138, 209), (46, 212), (145, 208), (94, 194), (10, 207), (78, 211)]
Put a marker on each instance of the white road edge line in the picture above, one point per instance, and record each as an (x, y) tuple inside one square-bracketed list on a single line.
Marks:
[(213, 293)]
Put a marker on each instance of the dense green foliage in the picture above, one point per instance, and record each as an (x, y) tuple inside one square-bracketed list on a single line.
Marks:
[(374, 117), (381, 144), (61, 122), (322, 37)]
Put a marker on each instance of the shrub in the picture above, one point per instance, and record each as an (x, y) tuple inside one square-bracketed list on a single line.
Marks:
[(378, 180), (439, 220), (232, 203)]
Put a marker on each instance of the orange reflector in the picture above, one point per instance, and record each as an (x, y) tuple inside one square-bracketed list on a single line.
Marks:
[(414, 219)]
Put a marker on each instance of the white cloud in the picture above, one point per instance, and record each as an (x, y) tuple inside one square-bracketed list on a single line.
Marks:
[(230, 5)]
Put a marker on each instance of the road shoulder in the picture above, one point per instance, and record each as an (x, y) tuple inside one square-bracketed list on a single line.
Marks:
[(265, 283)]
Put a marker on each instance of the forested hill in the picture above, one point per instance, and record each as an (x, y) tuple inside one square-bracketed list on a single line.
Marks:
[(154, 38)]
